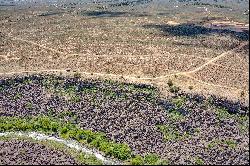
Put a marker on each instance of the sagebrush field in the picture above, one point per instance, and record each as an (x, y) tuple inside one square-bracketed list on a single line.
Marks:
[(138, 81)]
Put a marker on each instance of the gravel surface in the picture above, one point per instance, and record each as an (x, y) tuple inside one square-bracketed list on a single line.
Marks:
[(224, 76), (70, 144), (205, 128), (121, 119), (133, 113), (16, 152)]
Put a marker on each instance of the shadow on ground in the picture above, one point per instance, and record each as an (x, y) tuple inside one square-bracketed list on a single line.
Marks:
[(130, 3), (193, 30), (111, 14), (50, 13)]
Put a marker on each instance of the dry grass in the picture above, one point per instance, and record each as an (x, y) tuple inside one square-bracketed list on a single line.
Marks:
[(118, 45)]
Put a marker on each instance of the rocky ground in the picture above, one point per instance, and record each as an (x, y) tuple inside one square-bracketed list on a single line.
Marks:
[(17, 152), (184, 128)]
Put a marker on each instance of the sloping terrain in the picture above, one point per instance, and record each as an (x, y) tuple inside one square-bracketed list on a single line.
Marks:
[(179, 129), (137, 81)]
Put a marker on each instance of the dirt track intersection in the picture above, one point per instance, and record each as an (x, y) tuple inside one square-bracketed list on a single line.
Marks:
[(136, 86), (123, 46)]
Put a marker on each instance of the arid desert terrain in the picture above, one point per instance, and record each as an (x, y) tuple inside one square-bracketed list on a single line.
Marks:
[(133, 81)]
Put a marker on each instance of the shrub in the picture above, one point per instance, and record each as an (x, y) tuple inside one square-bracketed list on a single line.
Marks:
[(63, 131), (17, 96), (54, 126), (170, 83), (175, 115), (231, 143), (199, 161), (88, 159), (80, 135), (72, 133), (97, 140), (242, 94), (75, 98), (77, 75), (163, 162), (1, 88), (222, 113), (151, 159), (137, 160), (106, 147), (50, 112), (122, 151), (171, 133), (89, 135), (179, 101), (68, 130), (29, 105), (174, 89)]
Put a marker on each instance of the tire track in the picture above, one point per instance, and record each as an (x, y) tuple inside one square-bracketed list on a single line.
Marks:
[(39, 45), (186, 74), (121, 76), (68, 143), (216, 58)]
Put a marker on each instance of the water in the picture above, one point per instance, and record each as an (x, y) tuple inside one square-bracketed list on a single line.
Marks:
[(69, 143)]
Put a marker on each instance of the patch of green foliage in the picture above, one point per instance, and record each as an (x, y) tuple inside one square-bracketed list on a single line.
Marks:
[(174, 89), (197, 130), (29, 105), (242, 120), (175, 115), (70, 92), (65, 113), (50, 112), (137, 160), (96, 140), (77, 75), (149, 91), (1, 88), (18, 96), (88, 159), (213, 144), (171, 133), (91, 90), (199, 161), (228, 142), (109, 93), (67, 131), (170, 83), (80, 157), (149, 159), (209, 102), (75, 98), (222, 113), (243, 123), (27, 81), (179, 101), (111, 90), (49, 82)]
